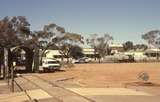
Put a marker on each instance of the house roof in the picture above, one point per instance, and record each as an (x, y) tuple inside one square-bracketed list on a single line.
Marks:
[(152, 50), (115, 45)]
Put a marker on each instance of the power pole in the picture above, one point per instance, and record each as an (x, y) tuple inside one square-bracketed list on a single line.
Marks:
[(5, 64), (0, 68)]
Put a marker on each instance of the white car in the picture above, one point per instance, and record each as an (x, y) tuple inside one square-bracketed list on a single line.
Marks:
[(119, 58), (83, 60), (50, 64), (140, 58)]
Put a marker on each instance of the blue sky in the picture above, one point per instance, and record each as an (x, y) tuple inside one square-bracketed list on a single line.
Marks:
[(123, 19)]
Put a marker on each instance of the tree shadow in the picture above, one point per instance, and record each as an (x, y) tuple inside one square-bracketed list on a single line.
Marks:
[(147, 84)]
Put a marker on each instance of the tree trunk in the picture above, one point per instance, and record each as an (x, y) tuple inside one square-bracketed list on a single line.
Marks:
[(157, 55), (36, 60), (67, 59), (95, 55), (1, 63), (99, 60), (67, 56), (62, 61), (0, 67), (41, 56)]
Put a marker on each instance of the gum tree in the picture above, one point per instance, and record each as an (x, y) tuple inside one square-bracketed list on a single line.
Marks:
[(67, 42), (128, 46), (44, 39), (153, 39), (100, 44), (14, 31)]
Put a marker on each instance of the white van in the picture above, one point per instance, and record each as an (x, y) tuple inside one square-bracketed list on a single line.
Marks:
[(50, 64)]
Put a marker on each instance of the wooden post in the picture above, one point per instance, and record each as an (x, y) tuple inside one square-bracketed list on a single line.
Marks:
[(12, 79), (12, 76), (1, 66), (0, 69)]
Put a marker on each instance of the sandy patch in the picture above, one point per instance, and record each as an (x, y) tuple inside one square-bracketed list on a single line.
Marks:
[(3, 84), (13, 97), (108, 91), (38, 94)]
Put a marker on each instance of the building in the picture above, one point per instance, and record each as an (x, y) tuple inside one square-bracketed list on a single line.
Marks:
[(152, 52), (116, 47), (88, 52)]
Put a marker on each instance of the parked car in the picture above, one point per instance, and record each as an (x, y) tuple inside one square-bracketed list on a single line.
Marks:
[(119, 57), (50, 65), (83, 60), (139, 58)]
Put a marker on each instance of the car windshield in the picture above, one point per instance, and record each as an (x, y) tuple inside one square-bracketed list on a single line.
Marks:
[(51, 62)]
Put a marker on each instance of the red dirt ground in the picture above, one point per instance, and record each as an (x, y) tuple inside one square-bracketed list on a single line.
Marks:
[(104, 75)]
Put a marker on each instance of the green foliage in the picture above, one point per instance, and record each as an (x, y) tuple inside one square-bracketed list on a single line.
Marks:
[(140, 47), (14, 31), (100, 44), (73, 38), (153, 38), (49, 36), (76, 52), (67, 42), (128, 46)]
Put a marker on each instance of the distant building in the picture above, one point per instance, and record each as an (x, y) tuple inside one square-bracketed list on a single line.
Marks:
[(152, 52), (149, 54), (116, 47), (88, 52)]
